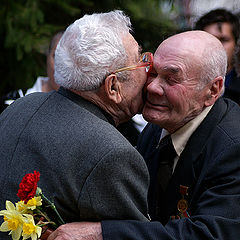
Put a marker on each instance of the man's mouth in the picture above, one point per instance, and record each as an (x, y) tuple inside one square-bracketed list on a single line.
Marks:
[(158, 105)]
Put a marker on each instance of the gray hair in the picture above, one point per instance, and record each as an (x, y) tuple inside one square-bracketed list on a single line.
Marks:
[(213, 63), (91, 48)]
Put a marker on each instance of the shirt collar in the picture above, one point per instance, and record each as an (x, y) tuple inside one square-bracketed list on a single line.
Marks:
[(181, 136)]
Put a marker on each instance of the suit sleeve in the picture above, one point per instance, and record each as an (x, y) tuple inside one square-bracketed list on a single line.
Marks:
[(215, 211), (116, 188)]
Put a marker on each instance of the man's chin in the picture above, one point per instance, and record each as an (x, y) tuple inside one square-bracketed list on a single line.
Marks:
[(150, 114), (146, 114)]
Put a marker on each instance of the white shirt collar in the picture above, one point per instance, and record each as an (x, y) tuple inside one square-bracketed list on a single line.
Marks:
[(181, 136)]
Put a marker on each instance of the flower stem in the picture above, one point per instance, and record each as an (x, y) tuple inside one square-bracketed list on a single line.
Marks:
[(60, 220)]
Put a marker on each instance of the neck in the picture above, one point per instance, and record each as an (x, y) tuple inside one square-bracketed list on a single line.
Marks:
[(100, 100), (47, 87)]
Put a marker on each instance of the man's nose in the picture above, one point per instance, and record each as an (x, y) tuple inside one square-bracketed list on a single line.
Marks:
[(154, 86)]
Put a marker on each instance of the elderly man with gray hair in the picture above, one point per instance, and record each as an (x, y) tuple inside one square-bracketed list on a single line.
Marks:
[(69, 135)]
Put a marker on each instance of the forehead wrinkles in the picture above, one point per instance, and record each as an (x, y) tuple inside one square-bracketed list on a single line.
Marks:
[(169, 63), (185, 68), (182, 59)]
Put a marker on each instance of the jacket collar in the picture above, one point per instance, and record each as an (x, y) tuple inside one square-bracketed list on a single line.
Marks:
[(89, 106)]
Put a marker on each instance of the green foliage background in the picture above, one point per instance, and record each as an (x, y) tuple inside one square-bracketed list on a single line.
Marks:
[(26, 27)]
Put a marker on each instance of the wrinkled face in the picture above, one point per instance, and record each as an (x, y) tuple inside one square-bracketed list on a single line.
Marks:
[(132, 89), (223, 31), (174, 96)]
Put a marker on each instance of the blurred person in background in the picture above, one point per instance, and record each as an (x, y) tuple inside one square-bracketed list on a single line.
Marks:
[(236, 67), (42, 84)]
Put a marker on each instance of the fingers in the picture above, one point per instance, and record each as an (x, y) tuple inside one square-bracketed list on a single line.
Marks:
[(77, 231), (46, 231), (53, 236)]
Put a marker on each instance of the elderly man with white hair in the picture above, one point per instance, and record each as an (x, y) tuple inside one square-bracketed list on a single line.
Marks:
[(70, 137)]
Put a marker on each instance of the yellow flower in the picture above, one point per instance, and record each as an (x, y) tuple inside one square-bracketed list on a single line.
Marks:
[(32, 204), (21, 207), (13, 221), (30, 229)]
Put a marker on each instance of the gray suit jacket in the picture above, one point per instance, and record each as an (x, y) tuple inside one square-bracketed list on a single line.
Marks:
[(86, 165)]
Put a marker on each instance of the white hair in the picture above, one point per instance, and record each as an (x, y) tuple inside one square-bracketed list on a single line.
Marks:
[(91, 48), (213, 63)]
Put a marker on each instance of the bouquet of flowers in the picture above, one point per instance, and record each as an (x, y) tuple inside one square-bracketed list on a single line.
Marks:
[(27, 217)]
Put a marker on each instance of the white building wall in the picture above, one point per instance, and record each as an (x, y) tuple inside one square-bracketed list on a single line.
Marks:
[(200, 7)]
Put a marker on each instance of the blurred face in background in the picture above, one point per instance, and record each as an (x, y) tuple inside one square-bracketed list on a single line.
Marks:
[(50, 65)]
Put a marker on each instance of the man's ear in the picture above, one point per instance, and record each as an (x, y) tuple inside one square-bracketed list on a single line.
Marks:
[(113, 88), (215, 90)]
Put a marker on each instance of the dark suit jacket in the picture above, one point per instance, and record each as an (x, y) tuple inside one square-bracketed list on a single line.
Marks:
[(129, 131), (86, 165), (233, 90), (210, 167)]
